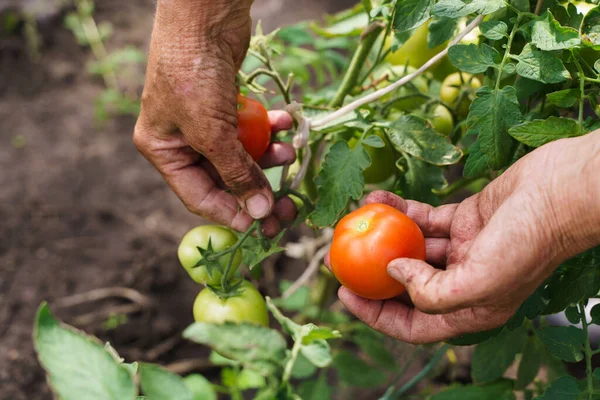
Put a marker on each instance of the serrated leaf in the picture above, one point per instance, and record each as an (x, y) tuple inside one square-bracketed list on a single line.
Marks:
[(419, 180), (318, 352), (314, 333), (563, 342), (78, 366), (160, 384), (538, 132), (492, 113), (472, 58), (494, 30), (411, 13), (590, 28), (200, 387), (564, 98), (530, 363), (462, 8), (414, 135), (530, 309), (565, 388), (255, 347), (575, 280), (477, 162), (548, 34), (541, 66), (253, 253), (502, 390), (340, 179), (374, 141), (355, 371), (377, 351), (441, 30), (493, 357), (316, 389)]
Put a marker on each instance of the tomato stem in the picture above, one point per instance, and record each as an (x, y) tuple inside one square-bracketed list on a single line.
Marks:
[(232, 250)]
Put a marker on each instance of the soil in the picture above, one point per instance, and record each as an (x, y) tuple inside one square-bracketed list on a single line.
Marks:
[(80, 209)]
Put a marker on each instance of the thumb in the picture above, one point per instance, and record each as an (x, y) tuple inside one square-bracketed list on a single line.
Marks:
[(433, 291)]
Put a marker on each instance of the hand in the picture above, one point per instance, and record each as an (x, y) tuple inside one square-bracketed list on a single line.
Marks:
[(493, 249), (188, 123)]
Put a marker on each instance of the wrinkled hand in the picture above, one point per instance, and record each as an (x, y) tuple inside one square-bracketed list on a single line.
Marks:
[(188, 123), (493, 249)]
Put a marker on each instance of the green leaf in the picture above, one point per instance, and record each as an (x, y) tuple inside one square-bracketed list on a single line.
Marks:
[(318, 353), (575, 280), (595, 314), (355, 371), (441, 30), (563, 342), (351, 26), (297, 301), (303, 368), (475, 338), (462, 8), (597, 66), (374, 141), (254, 253), (415, 136), (596, 374), (472, 58), (419, 180), (411, 13), (159, 384), (565, 388), (538, 132), (375, 347), (548, 34), (255, 347), (530, 309), (248, 379), (492, 358), (317, 389), (530, 363), (494, 30), (341, 178), (492, 113), (590, 28), (78, 366), (541, 66), (477, 162), (501, 390), (564, 98), (200, 387), (572, 314)]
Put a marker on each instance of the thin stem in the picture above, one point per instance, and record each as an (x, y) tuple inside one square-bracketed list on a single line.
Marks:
[(382, 92), (287, 372), (588, 352), (430, 365), (538, 7), (507, 54), (592, 80), (233, 250), (581, 94), (283, 87), (458, 185)]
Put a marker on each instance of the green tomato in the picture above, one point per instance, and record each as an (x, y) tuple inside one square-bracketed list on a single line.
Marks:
[(249, 306), (442, 120), (453, 86), (415, 51), (395, 72), (383, 160), (221, 239)]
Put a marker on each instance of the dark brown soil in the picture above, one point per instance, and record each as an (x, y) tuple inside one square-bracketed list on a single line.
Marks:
[(80, 209)]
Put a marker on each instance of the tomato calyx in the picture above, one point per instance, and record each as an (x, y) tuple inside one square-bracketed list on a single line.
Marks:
[(234, 290)]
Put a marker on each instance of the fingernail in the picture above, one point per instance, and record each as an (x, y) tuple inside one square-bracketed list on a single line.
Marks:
[(395, 273), (257, 206)]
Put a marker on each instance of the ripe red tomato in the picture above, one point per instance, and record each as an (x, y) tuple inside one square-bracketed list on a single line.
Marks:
[(366, 241), (249, 307), (254, 128)]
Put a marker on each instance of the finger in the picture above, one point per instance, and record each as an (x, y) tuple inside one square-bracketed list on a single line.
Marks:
[(280, 121), (236, 168), (327, 260), (407, 324), (432, 290), (434, 222), (278, 154), (285, 209), (437, 250)]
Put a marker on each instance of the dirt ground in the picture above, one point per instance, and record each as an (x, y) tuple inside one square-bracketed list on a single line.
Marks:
[(80, 209)]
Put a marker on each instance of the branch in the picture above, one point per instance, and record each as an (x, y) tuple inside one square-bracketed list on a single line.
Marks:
[(104, 293), (313, 266), (403, 81)]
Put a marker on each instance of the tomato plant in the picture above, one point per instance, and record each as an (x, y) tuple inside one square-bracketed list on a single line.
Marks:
[(366, 241), (457, 90), (254, 128), (208, 238), (247, 305)]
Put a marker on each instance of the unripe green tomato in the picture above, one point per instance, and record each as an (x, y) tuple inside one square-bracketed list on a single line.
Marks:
[(221, 239), (383, 160), (452, 88), (249, 306), (415, 51), (442, 120)]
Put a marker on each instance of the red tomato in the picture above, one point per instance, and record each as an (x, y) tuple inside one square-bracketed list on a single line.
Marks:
[(254, 128), (366, 241)]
